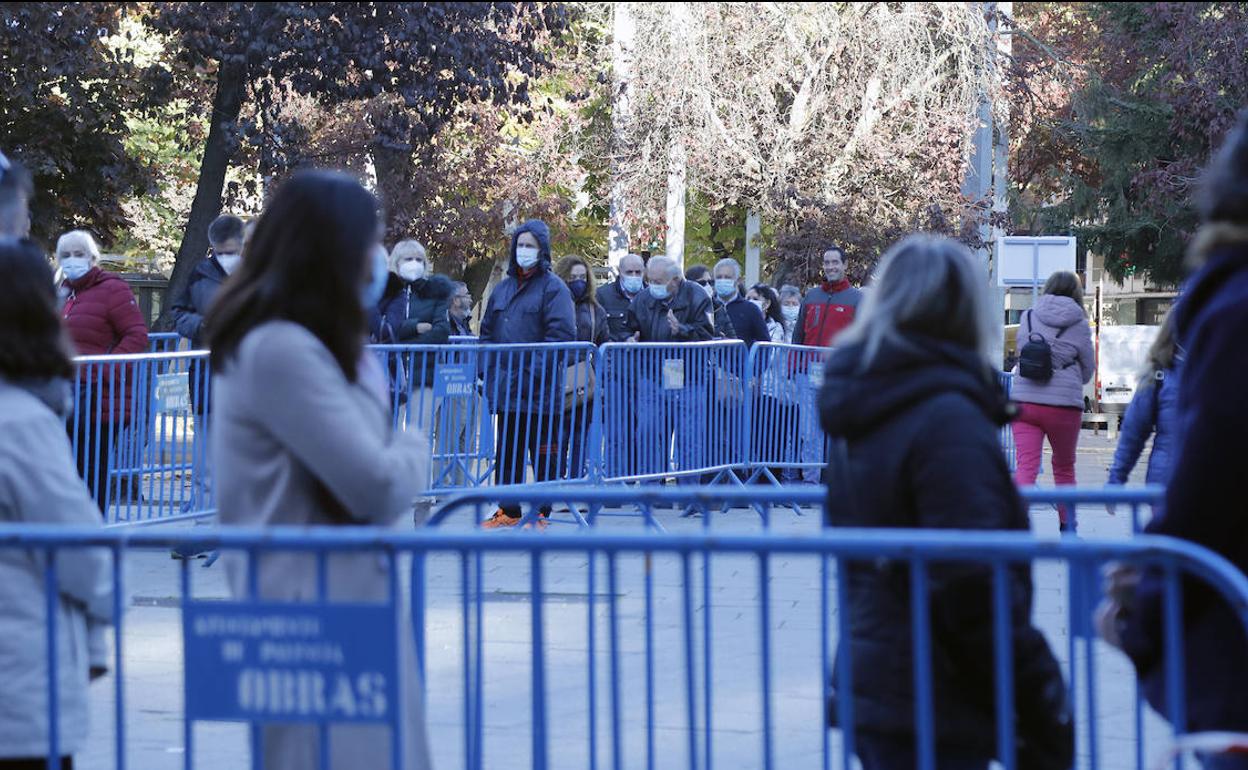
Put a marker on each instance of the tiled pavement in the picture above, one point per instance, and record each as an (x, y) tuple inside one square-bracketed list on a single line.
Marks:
[(153, 725)]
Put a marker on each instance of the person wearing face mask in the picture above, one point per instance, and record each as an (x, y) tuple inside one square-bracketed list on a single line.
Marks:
[(746, 320), (764, 298), (701, 275), (616, 296), (790, 308), (103, 318), (671, 309), (413, 310), (225, 240), (828, 308), (304, 437), (591, 326), (525, 389)]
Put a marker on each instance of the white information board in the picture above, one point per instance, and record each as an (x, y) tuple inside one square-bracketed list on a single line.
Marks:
[(1029, 260)]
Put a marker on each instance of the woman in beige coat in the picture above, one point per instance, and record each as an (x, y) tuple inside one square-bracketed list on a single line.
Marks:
[(39, 484), (302, 434)]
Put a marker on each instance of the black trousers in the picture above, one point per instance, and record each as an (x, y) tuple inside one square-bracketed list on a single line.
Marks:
[(523, 438), (93, 456)]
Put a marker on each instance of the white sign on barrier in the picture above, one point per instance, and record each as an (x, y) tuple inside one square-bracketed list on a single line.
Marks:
[(173, 392)]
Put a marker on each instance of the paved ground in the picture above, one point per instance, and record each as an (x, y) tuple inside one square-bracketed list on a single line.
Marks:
[(152, 644)]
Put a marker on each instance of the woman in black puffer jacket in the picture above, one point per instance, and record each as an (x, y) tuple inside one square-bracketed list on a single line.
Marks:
[(914, 413), (412, 311)]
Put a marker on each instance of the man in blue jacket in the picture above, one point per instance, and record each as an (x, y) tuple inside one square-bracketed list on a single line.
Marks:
[(746, 320), (525, 388)]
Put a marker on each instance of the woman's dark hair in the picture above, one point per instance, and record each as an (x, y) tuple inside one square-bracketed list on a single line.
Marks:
[(696, 272), (33, 343), (306, 263), (563, 269), (773, 302), (1065, 284)]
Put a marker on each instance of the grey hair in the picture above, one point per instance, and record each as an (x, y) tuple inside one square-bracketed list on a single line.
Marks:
[(789, 290), (730, 262), (930, 285), (458, 286), (632, 255), (666, 264)]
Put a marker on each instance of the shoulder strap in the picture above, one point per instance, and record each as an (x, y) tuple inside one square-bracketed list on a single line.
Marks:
[(1158, 378)]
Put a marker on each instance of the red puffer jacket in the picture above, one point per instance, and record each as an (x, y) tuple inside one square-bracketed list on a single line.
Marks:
[(104, 319)]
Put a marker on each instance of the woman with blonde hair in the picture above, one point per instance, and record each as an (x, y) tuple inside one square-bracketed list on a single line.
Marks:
[(913, 410)]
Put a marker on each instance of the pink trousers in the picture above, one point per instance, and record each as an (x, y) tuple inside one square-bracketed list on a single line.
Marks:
[(1060, 424)]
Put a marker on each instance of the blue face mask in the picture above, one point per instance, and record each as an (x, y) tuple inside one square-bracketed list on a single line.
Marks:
[(658, 290), (631, 283), (370, 295), (725, 287)]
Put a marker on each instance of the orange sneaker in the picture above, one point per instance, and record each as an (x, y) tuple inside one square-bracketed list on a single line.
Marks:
[(500, 520)]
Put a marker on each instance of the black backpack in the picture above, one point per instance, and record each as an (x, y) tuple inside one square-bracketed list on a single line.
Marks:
[(1035, 359)]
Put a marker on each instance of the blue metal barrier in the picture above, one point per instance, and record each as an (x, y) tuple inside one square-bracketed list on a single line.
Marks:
[(630, 412), (615, 649), (140, 435), (163, 342), (787, 443), (500, 414), (673, 410)]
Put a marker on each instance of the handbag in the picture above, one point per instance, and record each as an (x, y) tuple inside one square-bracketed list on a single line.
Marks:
[(579, 382)]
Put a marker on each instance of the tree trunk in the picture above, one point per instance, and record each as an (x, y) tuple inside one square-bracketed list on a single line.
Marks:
[(226, 104), (675, 245), (624, 31)]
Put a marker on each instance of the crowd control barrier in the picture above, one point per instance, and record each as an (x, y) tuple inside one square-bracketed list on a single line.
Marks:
[(497, 414), (163, 342), (140, 436), (673, 410), (606, 649)]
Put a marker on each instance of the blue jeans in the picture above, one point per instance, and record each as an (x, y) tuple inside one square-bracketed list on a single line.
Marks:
[(880, 752)]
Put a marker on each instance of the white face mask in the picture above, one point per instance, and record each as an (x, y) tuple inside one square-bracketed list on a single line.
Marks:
[(229, 262), (790, 312), (758, 303), (412, 270), (75, 267), (526, 256)]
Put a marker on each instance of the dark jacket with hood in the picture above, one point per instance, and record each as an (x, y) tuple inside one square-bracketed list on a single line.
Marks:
[(403, 307), (1205, 501), (919, 427), (103, 319), (528, 306)]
